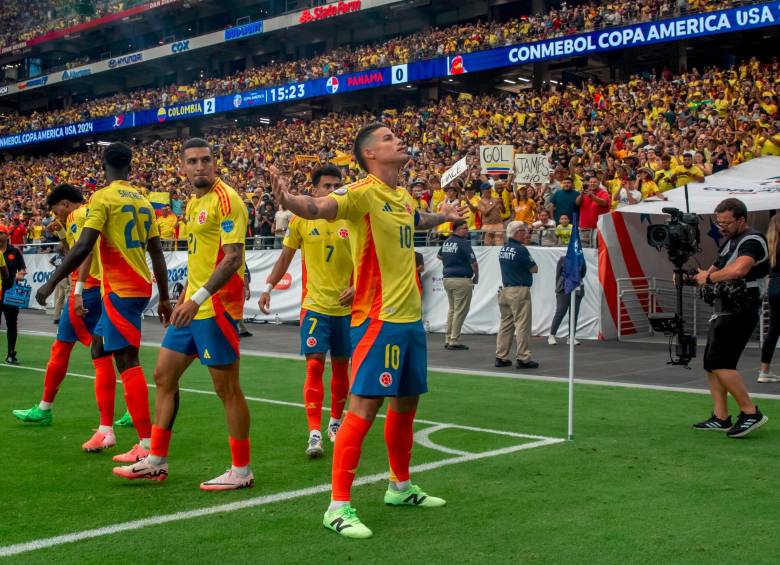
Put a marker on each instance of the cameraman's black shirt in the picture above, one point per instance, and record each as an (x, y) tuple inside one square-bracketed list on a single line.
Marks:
[(751, 248)]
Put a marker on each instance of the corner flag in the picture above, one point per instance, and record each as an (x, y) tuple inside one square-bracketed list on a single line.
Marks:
[(574, 259)]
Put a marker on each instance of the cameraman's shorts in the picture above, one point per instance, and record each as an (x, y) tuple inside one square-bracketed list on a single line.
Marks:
[(727, 337)]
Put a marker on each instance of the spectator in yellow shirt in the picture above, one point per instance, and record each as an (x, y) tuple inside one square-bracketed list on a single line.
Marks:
[(647, 185), (167, 223), (663, 177), (687, 172), (524, 207)]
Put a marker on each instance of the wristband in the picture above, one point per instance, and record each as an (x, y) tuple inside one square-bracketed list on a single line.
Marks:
[(200, 296), (79, 288), (268, 288)]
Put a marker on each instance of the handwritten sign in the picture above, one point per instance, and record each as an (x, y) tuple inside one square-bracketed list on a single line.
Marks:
[(496, 159), (454, 172), (531, 168)]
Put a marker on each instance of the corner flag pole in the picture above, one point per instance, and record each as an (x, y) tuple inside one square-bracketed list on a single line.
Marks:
[(572, 330)]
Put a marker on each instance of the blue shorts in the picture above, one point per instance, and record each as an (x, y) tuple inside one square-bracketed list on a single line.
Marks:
[(212, 340), (321, 333), (120, 322), (389, 359), (73, 328)]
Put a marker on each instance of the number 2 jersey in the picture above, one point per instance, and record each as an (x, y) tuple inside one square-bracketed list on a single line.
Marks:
[(125, 220), (381, 223), (74, 224), (326, 260), (217, 218)]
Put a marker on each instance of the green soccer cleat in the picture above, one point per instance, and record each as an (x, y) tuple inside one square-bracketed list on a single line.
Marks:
[(34, 416), (413, 496), (344, 521), (125, 421)]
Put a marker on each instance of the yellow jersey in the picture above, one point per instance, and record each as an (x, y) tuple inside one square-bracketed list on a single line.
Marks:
[(217, 218), (326, 259), (74, 226), (167, 226), (2, 260), (125, 220), (686, 174), (381, 222)]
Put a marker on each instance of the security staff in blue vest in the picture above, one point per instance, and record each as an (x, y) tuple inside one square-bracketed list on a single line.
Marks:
[(514, 298), (461, 273)]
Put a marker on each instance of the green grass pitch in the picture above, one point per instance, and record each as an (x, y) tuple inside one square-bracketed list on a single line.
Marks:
[(636, 486)]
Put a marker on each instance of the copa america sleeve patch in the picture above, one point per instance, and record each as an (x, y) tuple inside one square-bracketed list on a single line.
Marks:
[(227, 226)]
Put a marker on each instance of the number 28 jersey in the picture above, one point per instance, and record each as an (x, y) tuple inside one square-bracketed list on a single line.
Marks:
[(125, 220), (381, 223)]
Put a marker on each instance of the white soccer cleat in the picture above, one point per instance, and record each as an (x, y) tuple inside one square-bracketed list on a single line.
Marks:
[(314, 448), (143, 469), (767, 377), (333, 428), (229, 480), (551, 340)]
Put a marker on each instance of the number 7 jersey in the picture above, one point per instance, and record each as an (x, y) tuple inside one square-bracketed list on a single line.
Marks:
[(126, 222)]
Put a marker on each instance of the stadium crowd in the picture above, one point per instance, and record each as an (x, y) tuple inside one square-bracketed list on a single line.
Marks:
[(632, 140), (22, 20), (429, 43)]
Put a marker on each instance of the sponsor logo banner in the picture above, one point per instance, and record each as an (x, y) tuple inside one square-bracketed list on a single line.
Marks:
[(239, 32), (125, 60)]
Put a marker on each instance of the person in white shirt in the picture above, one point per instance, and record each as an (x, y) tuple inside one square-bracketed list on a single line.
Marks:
[(544, 229)]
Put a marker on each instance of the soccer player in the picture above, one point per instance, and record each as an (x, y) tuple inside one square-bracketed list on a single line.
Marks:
[(203, 324), (325, 306), (123, 220), (82, 312), (388, 338)]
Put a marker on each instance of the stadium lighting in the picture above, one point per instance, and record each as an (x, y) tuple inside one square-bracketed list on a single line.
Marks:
[(408, 86), (104, 143), (506, 80), (554, 81), (523, 79)]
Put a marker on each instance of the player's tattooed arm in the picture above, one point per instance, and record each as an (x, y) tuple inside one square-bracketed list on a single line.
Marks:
[(428, 220), (299, 204), (231, 262), (447, 213)]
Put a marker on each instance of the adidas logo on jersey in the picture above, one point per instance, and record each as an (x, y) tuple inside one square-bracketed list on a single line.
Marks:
[(315, 231), (387, 207)]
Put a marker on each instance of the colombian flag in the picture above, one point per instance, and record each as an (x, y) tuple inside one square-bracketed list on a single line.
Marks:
[(159, 200)]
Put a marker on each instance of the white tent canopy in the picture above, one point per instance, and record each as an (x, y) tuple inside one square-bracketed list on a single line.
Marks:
[(756, 183)]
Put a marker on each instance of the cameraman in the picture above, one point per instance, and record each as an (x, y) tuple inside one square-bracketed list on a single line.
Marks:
[(743, 257)]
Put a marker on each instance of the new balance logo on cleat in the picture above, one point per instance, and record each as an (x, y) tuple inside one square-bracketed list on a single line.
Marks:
[(414, 499), (339, 525), (387, 207), (315, 231)]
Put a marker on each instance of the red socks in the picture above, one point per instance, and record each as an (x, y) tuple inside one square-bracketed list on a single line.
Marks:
[(105, 388), (313, 392), (346, 455), (137, 400), (161, 439), (339, 388), (399, 436), (56, 369), (239, 451)]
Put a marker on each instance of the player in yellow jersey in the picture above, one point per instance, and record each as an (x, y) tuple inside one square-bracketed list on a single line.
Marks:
[(389, 357), (3, 267), (326, 261), (203, 325), (82, 312), (123, 220)]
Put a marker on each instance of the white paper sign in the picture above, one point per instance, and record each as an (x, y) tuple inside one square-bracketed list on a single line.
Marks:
[(496, 159), (454, 172), (531, 168)]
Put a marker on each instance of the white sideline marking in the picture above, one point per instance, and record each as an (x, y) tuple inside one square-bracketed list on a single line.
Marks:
[(481, 373), (44, 543), (324, 408)]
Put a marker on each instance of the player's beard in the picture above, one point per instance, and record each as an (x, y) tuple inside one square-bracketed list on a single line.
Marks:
[(202, 183)]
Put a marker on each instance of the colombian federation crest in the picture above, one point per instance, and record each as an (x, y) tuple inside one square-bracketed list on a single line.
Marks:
[(385, 379), (343, 233), (202, 215), (311, 342)]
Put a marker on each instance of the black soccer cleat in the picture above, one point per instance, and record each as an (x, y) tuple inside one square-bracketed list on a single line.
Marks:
[(747, 423), (714, 423)]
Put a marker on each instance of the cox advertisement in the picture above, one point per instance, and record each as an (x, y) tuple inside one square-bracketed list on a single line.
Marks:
[(698, 25)]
